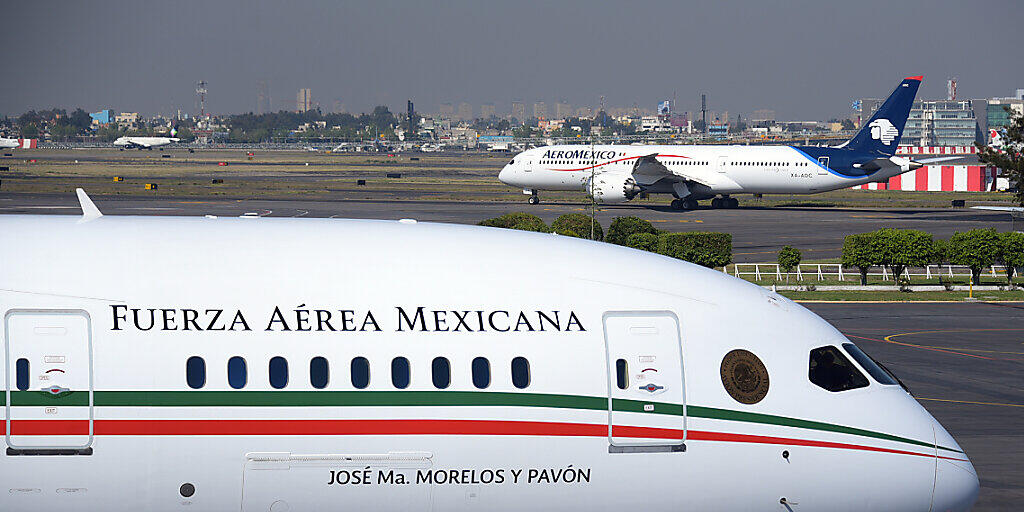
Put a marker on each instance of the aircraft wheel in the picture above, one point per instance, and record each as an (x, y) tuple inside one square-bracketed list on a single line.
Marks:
[(677, 204), (732, 202), (689, 204), (716, 203), (534, 200)]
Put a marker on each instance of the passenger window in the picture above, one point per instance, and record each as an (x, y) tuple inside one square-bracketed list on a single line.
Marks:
[(21, 371), (481, 372), (360, 372), (621, 374), (238, 373), (195, 372), (865, 361), (400, 372), (278, 372), (441, 372), (831, 370), (520, 372), (319, 372)]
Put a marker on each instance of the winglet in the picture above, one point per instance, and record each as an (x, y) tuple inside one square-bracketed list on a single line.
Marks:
[(89, 210)]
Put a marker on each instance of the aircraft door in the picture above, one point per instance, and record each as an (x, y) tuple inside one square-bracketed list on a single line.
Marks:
[(48, 392), (823, 165), (646, 394), (722, 164)]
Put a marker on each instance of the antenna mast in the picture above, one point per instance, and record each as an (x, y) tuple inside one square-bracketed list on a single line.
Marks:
[(201, 92)]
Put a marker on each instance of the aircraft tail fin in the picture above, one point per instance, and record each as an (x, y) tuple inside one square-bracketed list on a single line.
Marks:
[(881, 134)]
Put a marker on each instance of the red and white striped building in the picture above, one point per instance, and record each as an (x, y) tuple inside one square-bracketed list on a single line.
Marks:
[(946, 178)]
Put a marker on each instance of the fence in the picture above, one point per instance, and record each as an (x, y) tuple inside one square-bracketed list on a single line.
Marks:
[(823, 271)]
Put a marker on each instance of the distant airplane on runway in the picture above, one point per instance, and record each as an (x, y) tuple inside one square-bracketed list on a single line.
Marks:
[(9, 143), (146, 142), (618, 173)]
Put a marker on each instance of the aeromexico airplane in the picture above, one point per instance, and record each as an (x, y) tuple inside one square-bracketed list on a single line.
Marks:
[(256, 364), (618, 173)]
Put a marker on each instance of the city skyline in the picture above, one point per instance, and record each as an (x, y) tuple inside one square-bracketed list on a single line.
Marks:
[(147, 58)]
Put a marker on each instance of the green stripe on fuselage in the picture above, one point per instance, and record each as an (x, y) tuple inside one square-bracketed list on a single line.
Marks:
[(424, 399)]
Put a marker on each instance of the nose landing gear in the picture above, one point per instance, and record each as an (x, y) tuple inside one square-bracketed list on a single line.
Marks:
[(534, 198)]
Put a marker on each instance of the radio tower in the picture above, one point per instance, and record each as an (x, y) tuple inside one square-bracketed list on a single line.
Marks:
[(201, 92)]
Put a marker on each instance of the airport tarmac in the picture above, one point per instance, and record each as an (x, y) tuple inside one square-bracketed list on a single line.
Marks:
[(964, 362), (758, 232)]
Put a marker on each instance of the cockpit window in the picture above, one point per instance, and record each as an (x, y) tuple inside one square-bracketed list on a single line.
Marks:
[(510, 162), (831, 370), (865, 361)]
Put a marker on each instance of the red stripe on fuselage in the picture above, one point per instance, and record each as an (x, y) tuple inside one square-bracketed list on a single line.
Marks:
[(406, 427)]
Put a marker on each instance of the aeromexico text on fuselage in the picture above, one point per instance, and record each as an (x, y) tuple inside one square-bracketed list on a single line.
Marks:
[(841, 161)]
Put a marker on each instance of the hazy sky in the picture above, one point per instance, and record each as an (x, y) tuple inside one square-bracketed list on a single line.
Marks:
[(805, 59)]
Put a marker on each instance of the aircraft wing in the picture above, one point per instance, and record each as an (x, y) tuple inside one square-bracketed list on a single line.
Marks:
[(648, 169)]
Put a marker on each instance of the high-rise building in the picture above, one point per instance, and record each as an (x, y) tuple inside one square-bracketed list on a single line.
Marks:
[(519, 111), (465, 112), (562, 109), (303, 101), (540, 110), (763, 115), (445, 111), (938, 122), (487, 111)]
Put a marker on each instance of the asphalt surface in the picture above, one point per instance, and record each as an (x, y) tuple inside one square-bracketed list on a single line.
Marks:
[(758, 232), (965, 363)]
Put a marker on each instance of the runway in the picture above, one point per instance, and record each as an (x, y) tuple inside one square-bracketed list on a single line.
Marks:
[(758, 232), (965, 363)]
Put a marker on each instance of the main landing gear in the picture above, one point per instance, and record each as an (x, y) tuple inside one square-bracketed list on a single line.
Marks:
[(725, 202), (684, 204)]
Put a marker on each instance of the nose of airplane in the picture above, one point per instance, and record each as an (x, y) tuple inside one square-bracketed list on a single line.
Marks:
[(505, 176), (956, 481), (956, 486)]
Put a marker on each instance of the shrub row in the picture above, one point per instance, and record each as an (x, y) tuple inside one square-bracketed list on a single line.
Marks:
[(707, 249), (897, 249)]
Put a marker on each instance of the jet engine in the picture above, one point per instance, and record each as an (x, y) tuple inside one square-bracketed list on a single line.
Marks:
[(612, 188)]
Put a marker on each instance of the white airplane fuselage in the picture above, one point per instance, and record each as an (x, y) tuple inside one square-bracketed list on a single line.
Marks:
[(9, 143), (622, 404), (144, 142), (719, 169)]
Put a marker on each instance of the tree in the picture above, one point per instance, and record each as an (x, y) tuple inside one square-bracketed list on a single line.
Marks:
[(643, 241), (848, 125), (902, 248), (29, 131), (578, 225), (789, 258), (703, 248), (622, 227), (861, 251), (1009, 158), (519, 220), (1011, 253), (977, 249)]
